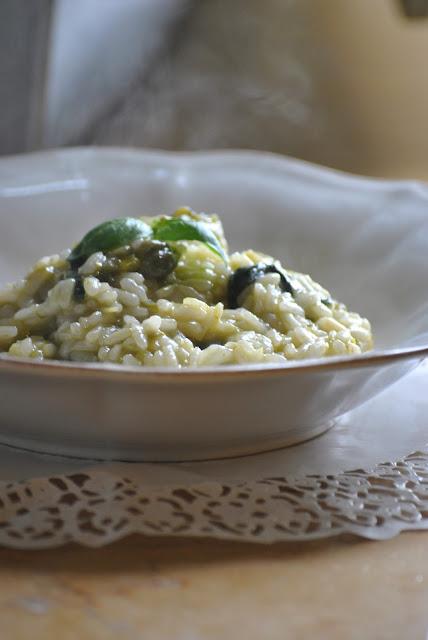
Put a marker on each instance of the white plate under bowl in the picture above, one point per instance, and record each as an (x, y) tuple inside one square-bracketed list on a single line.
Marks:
[(365, 240)]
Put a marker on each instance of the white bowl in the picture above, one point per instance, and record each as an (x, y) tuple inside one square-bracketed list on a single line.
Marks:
[(365, 240)]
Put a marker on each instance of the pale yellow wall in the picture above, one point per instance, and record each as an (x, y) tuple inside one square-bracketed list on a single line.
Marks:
[(343, 83), (382, 81)]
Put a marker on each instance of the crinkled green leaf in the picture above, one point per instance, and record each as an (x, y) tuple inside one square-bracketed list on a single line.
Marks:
[(184, 228), (110, 235)]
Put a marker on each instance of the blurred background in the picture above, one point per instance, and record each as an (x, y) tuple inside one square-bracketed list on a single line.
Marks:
[(343, 83)]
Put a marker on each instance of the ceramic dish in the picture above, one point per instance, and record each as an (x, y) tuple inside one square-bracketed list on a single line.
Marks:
[(366, 240)]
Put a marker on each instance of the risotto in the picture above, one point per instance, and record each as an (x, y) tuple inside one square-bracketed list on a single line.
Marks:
[(164, 292)]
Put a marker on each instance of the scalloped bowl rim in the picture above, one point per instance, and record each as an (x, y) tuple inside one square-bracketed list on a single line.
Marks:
[(158, 374)]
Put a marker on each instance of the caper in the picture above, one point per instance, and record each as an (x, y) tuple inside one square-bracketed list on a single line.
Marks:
[(115, 266), (129, 263), (157, 260)]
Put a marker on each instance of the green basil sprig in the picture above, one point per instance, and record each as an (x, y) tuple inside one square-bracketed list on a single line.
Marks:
[(119, 232), (184, 228), (108, 236)]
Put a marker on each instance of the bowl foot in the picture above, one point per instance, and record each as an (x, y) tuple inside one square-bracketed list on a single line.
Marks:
[(169, 453)]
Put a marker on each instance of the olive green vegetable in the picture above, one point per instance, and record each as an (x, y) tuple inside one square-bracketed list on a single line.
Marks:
[(156, 258), (108, 236), (246, 276), (184, 228)]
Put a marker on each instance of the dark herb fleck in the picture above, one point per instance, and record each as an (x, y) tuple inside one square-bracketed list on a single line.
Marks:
[(79, 290), (327, 301)]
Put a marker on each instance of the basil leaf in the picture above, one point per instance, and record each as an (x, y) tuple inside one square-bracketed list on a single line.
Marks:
[(108, 236), (184, 228)]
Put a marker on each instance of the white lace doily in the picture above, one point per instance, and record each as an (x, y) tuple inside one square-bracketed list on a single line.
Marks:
[(300, 493), (96, 509)]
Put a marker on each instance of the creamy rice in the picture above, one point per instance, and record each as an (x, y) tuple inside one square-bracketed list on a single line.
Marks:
[(114, 313)]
